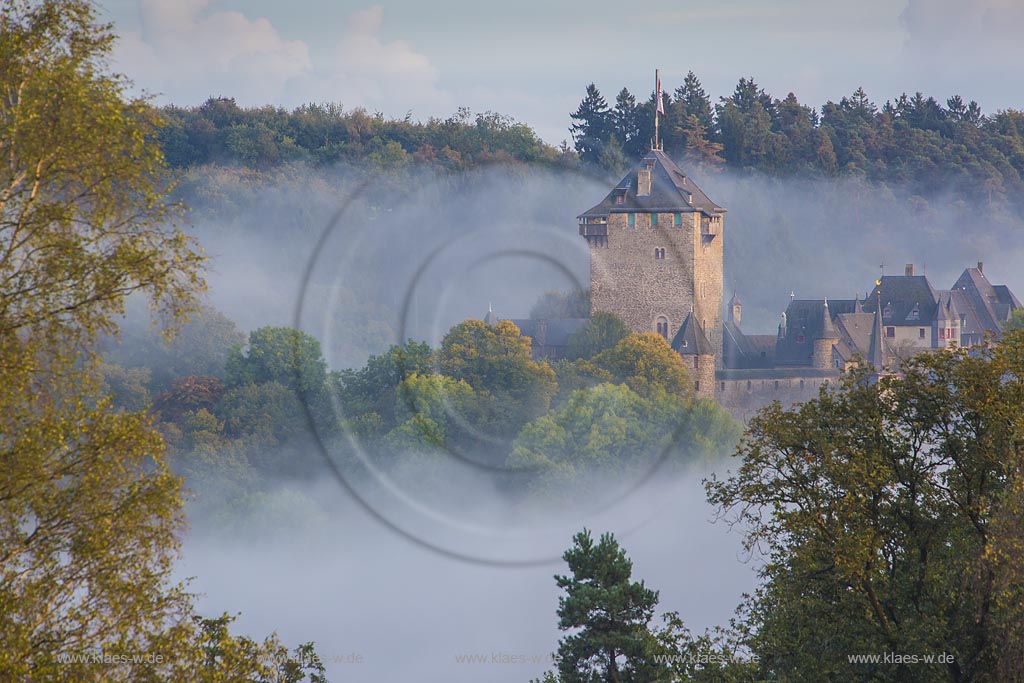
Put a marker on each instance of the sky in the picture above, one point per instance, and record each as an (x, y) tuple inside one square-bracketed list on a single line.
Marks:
[(532, 60)]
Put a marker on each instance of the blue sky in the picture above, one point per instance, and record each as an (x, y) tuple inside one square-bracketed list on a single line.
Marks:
[(532, 59)]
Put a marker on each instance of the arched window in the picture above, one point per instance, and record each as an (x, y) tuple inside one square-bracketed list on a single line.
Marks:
[(662, 326)]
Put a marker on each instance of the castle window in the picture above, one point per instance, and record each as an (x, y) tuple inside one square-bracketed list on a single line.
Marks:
[(696, 385), (723, 386), (696, 362), (654, 220), (801, 384), (920, 333), (890, 332), (915, 313), (678, 220), (662, 327), (887, 311), (619, 199), (631, 219), (801, 338), (776, 385), (750, 385), (659, 254)]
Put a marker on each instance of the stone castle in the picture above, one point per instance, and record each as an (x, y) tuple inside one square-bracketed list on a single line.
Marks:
[(656, 260)]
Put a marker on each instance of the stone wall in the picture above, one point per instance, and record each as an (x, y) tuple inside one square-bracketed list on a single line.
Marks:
[(743, 392)]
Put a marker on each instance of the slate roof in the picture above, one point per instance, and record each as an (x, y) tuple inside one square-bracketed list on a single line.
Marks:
[(804, 321), (690, 340), (744, 351), (854, 334), (909, 299), (983, 305), (554, 332), (672, 191)]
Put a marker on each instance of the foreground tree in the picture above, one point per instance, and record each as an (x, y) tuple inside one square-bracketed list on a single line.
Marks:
[(891, 515), (609, 614), (90, 515)]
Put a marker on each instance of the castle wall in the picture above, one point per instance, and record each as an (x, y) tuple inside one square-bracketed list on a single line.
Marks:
[(744, 392)]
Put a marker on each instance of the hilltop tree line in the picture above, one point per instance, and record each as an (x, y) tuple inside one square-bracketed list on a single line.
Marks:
[(915, 141), (220, 132)]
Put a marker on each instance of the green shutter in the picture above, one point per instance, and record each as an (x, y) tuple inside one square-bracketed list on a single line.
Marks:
[(679, 219), (632, 219), (654, 220)]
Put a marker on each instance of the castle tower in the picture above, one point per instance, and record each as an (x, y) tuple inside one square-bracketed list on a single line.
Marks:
[(692, 344), (656, 251), (821, 356)]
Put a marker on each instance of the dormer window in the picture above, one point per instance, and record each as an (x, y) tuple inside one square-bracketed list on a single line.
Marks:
[(887, 311), (915, 313), (620, 199)]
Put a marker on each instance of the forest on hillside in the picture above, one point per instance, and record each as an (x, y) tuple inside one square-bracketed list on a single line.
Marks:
[(918, 142)]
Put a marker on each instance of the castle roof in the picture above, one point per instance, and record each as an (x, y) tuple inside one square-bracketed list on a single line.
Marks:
[(907, 300), (984, 305), (690, 340), (828, 330), (743, 351), (671, 191), (804, 324)]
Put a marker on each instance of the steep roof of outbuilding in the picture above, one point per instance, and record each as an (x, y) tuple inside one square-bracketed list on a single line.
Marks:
[(985, 305), (690, 340), (672, 191)]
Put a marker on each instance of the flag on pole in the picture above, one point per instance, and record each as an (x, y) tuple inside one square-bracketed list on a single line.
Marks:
[(661, 102)]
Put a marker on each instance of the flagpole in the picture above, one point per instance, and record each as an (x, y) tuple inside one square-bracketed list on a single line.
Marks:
[(657, 106)]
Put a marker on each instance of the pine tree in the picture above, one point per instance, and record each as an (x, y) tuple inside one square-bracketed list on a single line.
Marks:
[(700, 151), (626, 121), (593, 125), (610, 614)]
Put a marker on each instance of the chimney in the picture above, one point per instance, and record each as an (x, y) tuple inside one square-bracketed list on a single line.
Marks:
[(981, 267), (909, 271), (643, 182)]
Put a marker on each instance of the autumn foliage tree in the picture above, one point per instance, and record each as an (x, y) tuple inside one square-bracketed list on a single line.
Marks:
[(889, 512), (90, 514)]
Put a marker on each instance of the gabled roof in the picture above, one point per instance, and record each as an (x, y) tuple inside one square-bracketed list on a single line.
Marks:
[(672, 191), (745, 351), (909, 300), (983, 305), (690, 340)]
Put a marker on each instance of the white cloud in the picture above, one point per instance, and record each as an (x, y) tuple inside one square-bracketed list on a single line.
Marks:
[(186, 51), (962, 35), (363, 70)]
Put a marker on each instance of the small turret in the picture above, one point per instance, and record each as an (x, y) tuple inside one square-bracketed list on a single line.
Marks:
[(692, 344), (490, 318), (827, 339), (782, 326), (857, 307), (735, 309)]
